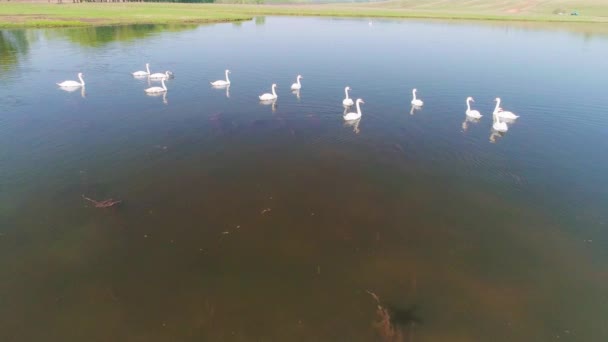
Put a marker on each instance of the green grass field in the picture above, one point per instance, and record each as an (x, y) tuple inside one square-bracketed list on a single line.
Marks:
[(85, 14)]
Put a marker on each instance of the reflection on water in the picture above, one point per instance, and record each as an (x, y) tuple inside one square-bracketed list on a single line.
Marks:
[(414, 109), (495, 136), (468, 121), (14, 45), (98, 36), (249, 221), (159, 94), (296, 93), (73, 89), (224, 87)]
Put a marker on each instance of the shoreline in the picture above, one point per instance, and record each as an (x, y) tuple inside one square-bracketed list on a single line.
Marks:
[(43, 15)]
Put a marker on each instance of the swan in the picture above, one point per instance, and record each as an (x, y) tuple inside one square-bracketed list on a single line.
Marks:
[(72, 84), (347, 101), (267, 96), (143, 73), (472, 113), (499, 126), (415, 101), (297, 85), (501, 113), (222, 82), (157, 89), (161, 75), (357, 115)]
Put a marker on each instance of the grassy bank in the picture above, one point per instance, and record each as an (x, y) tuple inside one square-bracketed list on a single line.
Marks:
[(86, 14)]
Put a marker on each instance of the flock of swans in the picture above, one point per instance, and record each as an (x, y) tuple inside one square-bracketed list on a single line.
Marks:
[(500, 116)]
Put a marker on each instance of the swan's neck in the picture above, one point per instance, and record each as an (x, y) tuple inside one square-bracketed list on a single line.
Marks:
[(148, 68), (346, 92), (273, 92), (496, 118), (163, 83), (298, 80), (414, 95), (227, 79), (81, 80), (497, 106), (358, 108), (468, 105)]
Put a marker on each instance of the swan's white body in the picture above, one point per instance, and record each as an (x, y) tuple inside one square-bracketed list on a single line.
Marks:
[(347, 100), (222, 82), (143, 73), (502, 113), (161, 75), (354, 116), (472, 113), (72, 84), (415, 101), (499, 126), (268, 96), (297, 85), (157, 89)]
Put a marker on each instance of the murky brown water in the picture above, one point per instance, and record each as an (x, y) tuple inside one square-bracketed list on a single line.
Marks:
[(249, 222)]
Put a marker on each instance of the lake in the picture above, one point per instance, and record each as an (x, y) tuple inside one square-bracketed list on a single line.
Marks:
[(247, 221)]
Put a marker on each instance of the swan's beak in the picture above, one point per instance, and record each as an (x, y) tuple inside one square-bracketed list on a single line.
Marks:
[(362, 101)]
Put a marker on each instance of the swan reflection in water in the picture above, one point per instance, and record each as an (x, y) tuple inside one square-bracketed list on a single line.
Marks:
[(354, 124), (227, 87), (272, 103), (296, 92), (83, 92), (495, 136), (415, 109), (163, 94), (468, 120)]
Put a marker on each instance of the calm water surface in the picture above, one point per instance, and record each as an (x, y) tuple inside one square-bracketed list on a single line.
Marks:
[(249, 222)]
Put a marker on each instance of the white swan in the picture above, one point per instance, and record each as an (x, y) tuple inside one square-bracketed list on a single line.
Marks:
[(499, 126), (222, 82), (72, 84), (267, 96), (357, 115), (157, 89), (472, 113), (162, 75), (502, 113), (297, 85), (347, 101), (143, 73), (415, 101)]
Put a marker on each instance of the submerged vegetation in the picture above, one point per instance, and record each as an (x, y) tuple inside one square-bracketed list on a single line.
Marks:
[(87, 14)]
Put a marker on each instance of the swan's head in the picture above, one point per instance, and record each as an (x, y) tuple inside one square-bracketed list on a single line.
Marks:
[(300, 76), (168, 73), (360, 101), (414, 90), (347, 88), (470, 99), (227, 71), (147, 64), (497, 99), (274, 85), (80, 74)]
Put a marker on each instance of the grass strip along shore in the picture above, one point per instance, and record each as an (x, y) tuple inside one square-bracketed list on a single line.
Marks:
[(21, 15)]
